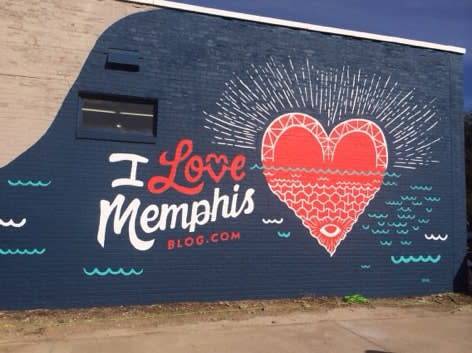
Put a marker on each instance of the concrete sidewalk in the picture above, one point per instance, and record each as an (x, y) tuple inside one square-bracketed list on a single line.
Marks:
[(352, 330)]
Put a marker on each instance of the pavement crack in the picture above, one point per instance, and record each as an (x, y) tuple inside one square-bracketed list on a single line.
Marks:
[(338, 323)]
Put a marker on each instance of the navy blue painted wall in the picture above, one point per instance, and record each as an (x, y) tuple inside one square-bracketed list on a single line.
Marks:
[(200, 67)]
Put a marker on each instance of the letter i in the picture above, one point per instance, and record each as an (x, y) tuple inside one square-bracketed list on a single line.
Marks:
[(234, 202)]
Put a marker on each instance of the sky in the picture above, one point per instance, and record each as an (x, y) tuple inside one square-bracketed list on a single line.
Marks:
[(439, 21)]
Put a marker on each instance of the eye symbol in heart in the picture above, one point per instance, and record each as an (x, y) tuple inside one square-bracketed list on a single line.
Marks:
[(327, 180)]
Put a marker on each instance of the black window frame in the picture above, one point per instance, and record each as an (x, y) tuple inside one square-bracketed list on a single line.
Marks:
[(115, 135)]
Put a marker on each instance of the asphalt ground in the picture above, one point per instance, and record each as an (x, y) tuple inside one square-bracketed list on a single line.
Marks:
[(441, 323)]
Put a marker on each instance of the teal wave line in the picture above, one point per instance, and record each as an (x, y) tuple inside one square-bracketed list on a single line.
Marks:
[(386, 242), (417, 203), (33, 251), (109, 271), (423, 220), (256, 166), (425, 280), (432, 198), (381, 223), (365, 267), (404, 209), (377, 215), (428, 209), (283, 234), (324, 171), (389, 183), (421, 187), (38, 183), (380, 231), (415, 259), (415, 227), (365, 226), (402, 231), (408, 198), (393, 175), (406, 242), (406, 216), (393, 203), (397, 224)]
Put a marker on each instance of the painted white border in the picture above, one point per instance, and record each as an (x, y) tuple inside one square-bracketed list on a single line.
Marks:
[(298, 25)]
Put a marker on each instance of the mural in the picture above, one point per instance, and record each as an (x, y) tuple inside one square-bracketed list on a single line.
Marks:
[(284, 174)]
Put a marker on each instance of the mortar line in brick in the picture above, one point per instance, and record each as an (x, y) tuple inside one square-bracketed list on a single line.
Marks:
[(59, 78)]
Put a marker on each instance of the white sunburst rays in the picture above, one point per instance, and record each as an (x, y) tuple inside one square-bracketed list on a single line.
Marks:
[(251, 101), (410, 126)]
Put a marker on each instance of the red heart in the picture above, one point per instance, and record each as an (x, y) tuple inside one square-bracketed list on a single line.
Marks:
[(219, 160), (327, 180)]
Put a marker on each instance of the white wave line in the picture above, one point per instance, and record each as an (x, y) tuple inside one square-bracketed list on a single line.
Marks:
[(272, 221), (436, 237), (12, 223)]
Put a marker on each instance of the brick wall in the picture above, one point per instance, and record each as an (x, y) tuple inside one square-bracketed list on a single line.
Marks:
[(285, 163), (44, 45)]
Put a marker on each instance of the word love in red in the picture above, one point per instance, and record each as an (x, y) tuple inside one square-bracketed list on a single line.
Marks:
[(193, 167)]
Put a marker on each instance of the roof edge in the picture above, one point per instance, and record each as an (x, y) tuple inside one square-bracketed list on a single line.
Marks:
[(297, 25)]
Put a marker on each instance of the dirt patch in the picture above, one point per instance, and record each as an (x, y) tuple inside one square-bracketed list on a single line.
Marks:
[(43, 324)]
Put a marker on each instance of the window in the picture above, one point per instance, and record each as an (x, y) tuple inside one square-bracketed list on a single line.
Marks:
[(123, 60), (117, 118)]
